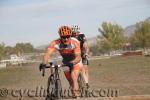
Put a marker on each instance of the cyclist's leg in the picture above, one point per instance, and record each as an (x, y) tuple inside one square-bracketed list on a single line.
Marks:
[(85, 70), (68, 75), (85, 73), (74, 74)]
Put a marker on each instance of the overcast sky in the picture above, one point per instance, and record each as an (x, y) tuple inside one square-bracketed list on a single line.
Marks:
[(37, 21)]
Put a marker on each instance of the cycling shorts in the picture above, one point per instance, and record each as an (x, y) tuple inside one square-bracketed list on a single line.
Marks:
[(85, 61), (75, 67)]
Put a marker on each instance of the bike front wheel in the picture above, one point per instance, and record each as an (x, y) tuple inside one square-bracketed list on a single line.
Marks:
[(58, 89)]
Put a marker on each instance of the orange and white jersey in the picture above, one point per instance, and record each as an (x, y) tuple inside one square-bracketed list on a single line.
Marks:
[(68, 52)]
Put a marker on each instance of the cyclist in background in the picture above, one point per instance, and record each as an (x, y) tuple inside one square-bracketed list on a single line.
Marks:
[(84, 51), (69, 49)]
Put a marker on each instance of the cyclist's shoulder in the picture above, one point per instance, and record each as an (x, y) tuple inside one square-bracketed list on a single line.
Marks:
[(81, 37), (75, 41), (56, 41)]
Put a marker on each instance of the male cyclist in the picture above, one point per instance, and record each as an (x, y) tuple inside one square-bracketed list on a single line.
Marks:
[(84, 51), (69, 49)]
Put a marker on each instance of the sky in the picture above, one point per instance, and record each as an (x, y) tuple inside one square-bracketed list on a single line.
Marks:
[(37, 21)]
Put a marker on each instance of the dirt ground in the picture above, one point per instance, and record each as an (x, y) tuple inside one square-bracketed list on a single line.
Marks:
[(130, 76)]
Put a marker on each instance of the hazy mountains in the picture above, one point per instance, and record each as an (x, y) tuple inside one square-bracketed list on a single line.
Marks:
[(130, 29)]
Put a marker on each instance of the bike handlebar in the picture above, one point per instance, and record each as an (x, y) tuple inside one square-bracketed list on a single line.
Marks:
[(51, 65)]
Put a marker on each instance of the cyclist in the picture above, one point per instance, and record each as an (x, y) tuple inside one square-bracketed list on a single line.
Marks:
[(84, 51), (69, 49)]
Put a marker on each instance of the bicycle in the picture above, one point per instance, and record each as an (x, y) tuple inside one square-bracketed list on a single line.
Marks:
[(54, 83), (54, 86)]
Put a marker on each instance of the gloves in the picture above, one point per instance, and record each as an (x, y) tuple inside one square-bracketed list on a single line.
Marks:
[(42, 66), (85, 56)]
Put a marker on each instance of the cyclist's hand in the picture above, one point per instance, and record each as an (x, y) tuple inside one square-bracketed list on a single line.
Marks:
[(42, 66), (85, 56), (61, 65)]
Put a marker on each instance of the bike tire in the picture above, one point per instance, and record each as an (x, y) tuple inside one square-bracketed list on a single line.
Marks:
[(81, 81), (58, 89), (50, 88)]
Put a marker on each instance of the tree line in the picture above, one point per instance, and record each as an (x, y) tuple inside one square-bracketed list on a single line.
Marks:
[(112, 38), (18, 49)]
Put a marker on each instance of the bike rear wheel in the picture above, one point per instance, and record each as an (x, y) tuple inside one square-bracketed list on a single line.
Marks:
[(81, 81)]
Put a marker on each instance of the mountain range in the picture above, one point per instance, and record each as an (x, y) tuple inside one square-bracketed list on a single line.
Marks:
[(130, 29)]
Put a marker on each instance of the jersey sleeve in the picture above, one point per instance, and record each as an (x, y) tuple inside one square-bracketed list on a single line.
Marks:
[(84, 38)]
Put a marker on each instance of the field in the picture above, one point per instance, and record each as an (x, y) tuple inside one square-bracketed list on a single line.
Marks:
[(129, 75)]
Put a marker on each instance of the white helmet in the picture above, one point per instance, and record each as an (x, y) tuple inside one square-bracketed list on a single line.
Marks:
[(75, 28)]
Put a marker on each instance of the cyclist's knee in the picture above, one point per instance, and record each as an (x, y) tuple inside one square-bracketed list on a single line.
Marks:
[(74, 74)]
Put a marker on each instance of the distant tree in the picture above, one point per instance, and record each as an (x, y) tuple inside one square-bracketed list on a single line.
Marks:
[(141, 37), (28, 48), (103, 45), (94, 50), (2, 50), (24, 48), (8, 50), (111, 37)]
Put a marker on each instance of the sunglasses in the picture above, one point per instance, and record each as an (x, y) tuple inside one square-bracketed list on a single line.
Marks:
[(65, 37)]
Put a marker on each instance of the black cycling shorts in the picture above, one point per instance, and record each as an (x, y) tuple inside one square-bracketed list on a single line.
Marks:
[(85, 61)]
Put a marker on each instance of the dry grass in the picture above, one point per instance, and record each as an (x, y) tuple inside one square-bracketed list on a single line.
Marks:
[(131, 75)]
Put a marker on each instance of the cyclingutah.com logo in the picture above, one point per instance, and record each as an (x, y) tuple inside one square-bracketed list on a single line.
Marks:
[(3, 92), (40, 91)]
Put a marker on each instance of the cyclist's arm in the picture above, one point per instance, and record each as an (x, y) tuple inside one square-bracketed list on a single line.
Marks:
[(50, 50), (86, 47), (47, 55), (77, 53), (77, 58)]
